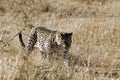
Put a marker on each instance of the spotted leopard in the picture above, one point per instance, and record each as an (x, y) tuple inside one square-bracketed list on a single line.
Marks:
[(48, 42)]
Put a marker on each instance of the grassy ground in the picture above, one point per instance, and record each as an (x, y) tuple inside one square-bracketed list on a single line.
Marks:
[(95, 50)]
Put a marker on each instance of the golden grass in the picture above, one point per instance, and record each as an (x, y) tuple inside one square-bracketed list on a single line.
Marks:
[(95, 53)]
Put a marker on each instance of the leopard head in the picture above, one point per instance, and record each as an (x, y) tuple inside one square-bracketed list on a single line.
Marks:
[(67, 37), (63, 39)]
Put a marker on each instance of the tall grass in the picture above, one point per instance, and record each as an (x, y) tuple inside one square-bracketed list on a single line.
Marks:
[(95, 47)]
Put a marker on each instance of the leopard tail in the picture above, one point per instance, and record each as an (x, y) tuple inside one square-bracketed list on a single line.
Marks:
[(21, 40)]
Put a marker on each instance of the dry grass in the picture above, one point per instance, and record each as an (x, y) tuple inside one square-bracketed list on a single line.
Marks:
[(95, 51)]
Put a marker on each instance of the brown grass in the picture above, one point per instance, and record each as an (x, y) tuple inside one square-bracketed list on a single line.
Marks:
[(95, 53)]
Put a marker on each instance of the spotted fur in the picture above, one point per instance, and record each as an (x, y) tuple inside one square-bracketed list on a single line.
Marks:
[(48, 42)]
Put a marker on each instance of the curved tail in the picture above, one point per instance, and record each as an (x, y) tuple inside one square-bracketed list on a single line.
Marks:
[(21, 40)]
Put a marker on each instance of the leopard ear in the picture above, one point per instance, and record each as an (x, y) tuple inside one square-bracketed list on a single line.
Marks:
[(70, 34), (66, 35)]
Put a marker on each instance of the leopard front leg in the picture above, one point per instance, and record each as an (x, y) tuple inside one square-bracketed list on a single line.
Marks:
[(66, 58)]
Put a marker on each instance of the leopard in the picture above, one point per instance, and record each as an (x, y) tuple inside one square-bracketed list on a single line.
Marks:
[(48, 42)]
